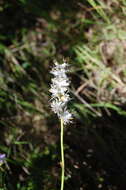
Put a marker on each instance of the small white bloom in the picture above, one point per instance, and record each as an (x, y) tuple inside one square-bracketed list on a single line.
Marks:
[(66, 116), (60, 66), (59, 90), (57, 73), (60, 82), (57, 106), (65, 98)]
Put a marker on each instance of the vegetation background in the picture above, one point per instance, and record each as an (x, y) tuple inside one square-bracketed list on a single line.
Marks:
[(91, 36)]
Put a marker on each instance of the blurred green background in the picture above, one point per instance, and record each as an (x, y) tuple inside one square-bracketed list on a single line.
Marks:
[(91, 36)]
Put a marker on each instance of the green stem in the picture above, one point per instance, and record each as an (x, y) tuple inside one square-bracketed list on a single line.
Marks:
[(62, 156)]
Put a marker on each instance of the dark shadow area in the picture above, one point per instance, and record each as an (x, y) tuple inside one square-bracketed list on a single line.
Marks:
[(18, 16), (97, 160)]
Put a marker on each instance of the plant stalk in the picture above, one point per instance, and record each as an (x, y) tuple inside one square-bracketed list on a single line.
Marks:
[(62, 156)]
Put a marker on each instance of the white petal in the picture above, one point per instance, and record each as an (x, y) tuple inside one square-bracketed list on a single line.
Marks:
[(66, 116)]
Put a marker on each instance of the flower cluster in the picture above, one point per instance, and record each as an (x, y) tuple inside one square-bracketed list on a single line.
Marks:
[(59, 90), (2, 158)]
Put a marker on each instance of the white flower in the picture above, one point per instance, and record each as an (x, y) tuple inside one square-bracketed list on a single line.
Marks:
[(60, 82), (59, 73), (60, 66), (59, 90), (57, 106), (66, 116)]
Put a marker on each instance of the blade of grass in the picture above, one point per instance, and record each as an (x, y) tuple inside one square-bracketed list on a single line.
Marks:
[(99, 9)]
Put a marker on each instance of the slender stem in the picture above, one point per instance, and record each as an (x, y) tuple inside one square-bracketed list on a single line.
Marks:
[(62, 156)]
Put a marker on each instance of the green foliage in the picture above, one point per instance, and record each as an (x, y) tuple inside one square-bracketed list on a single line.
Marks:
[(99, 6), (91, 36)]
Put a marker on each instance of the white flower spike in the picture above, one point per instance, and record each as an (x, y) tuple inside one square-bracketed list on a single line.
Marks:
[(59, 90)]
